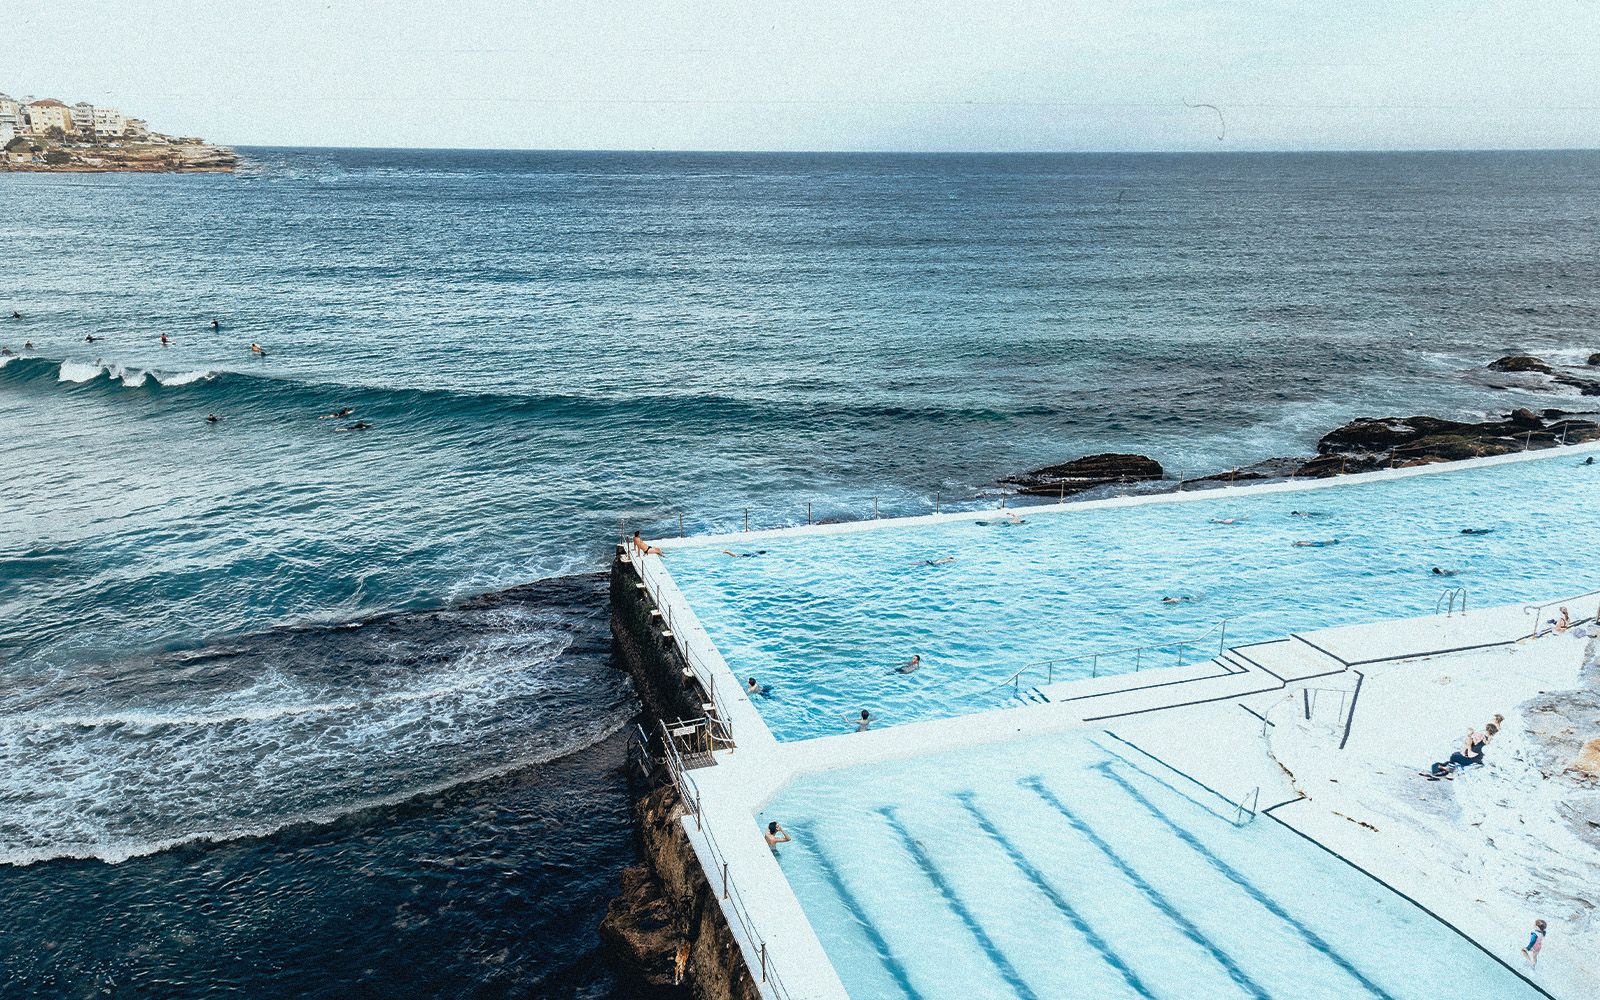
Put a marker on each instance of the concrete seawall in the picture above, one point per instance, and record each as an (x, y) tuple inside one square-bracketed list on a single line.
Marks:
[(666, 924)]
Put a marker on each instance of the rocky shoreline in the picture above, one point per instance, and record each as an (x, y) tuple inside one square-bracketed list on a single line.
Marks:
[(1362, 445), (174, 157)]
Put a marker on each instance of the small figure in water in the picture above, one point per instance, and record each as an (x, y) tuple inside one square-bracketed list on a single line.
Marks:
[(28, 346), (215, 325), (643, 547), (752, 686), (864, 722), (776, 835), (1180, 599), (359, 425), (5, 352), (212, 418), (1535, 942), (15, 314), (1476, 531), (744, 555), (257, 349), (1588, 461), (1305, 513), (1443, 572), (1316, 543), (1012, 518), (935, 562), (165, 342), (911, 666), (1229, 520), (91, 338), (338, 414)]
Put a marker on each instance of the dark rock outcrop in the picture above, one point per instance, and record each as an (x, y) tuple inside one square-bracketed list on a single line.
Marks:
[(1594, 359), (1393, 442), (1520, 363), (1086, 473)]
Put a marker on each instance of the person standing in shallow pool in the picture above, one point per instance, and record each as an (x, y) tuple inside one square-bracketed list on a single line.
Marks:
[(776, 835), (864, 722), (1530, 952)]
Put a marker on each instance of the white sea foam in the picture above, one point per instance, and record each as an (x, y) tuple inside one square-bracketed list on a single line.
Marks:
[(83, 371)]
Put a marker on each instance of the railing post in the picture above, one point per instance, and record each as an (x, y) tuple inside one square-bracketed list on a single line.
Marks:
[(1222, 638), (747, 519), (1138, 659), (1094, 669), (724, 880), (1050, 672), (808, 512), (874, 508), (680, 524), (763, 961)]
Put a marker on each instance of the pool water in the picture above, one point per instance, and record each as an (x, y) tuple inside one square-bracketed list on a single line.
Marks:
[(1080, 867), (822, 619)]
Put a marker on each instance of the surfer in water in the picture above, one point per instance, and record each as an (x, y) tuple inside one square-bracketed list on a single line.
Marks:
[(215, 325), (359, 425), (212, 418), (257, 349), (91, 338), (165, 342), (338, 414), (1477, 531), (15, 314)]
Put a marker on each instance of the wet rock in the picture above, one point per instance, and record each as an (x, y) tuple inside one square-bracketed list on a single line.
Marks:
[(1394, 442), (1594, 359), (1524, 417), (642, 930), (1520, 363), (1086, 473)]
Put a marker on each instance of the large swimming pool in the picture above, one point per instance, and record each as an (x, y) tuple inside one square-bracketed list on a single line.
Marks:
[(1078, 867), (823, 619)]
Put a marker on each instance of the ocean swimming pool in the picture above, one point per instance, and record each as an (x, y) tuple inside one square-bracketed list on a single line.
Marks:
[(823, 618), (1076, 866)]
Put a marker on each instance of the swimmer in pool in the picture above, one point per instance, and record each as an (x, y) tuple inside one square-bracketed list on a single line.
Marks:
[(935, 562), (338, 414), (863, 723), (1180, 599), (1316, 543), (911, 666), (744, 555), (1476, 531), (752, 686), (1443, 572), (776, 835), (1229, 520), (1305, 513)]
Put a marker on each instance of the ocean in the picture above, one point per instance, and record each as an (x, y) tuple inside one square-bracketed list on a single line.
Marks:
[(295, 709)]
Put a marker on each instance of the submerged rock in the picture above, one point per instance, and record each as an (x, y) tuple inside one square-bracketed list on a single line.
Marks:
[(1086, 473)]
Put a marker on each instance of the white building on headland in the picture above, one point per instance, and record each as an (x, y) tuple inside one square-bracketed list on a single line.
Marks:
[(10, 118), (109, 121), (47, 114)]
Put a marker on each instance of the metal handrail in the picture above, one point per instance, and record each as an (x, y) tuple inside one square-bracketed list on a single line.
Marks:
[(689, 794), (1220, 629), (702, 671), (1539, 609)]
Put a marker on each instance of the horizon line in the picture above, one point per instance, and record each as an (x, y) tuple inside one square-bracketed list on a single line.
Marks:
[(1354, 151)]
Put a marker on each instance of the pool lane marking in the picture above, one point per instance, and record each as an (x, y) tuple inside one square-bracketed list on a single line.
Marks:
[(1037, 877), (1003, 965), (836, 882), (1162, 903), (1233, 875)]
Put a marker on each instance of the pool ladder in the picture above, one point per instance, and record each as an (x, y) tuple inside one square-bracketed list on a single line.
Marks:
[(1243, 813), (1447, 601)]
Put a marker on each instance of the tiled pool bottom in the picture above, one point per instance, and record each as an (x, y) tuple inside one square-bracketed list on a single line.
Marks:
[(822, 619), (1077, 867)]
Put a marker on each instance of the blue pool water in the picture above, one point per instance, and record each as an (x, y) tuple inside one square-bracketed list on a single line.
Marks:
[(823, 619), (1082, 868)]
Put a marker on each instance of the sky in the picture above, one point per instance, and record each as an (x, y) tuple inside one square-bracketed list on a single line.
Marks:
[(802, 75)]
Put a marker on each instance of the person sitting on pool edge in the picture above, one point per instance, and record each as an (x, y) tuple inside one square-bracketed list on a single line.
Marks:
[(776, 835), (643, 547)]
